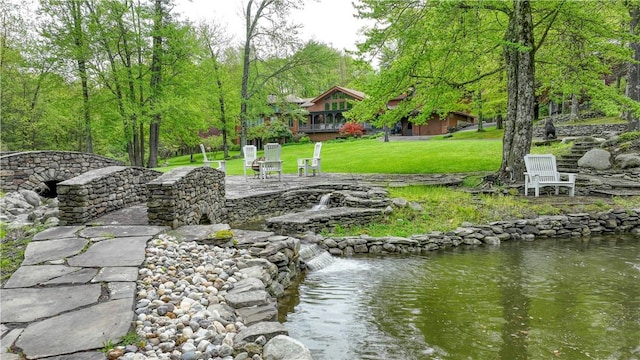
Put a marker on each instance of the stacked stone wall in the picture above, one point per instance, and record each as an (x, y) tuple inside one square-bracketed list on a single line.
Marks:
[(97, 192), (581, 130), (29, 170), (187, 196), (321, 220), (244, 209), (283, 255), (558, 226)]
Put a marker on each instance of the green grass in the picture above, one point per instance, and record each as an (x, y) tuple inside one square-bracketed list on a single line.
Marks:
[(596, 121), (370, 156), (14, 243), (490, 132), (445, 209)]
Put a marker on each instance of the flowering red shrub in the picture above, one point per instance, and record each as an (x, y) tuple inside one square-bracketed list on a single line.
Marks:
[(352, 129)]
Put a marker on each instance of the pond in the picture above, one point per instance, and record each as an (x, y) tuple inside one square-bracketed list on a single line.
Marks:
[(546, 299)]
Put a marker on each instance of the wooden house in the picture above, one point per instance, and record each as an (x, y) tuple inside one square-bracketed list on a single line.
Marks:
[(434, 126), (325, 113)]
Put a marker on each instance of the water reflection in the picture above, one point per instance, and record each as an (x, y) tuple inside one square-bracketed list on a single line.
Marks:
[(566, 299)]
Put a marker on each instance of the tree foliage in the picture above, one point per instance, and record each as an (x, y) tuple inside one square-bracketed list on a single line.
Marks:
[(460, 55)]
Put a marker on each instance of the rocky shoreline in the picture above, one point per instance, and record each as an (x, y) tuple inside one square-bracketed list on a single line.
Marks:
[(204, 301)]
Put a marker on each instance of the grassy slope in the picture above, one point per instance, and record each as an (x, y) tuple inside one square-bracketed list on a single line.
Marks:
[(376, 156), (467, 151)]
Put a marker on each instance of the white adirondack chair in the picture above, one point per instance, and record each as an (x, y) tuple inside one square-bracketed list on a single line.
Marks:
[(222, 165), (272, 162), (313, 163), (542, 171), (250, 154)]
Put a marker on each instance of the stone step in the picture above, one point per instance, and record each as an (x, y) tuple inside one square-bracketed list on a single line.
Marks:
[(615, 192), (568, 170), (570, 157)]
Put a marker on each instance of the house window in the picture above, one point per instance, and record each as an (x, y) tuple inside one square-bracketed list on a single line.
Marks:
[(326, 106), (334, 106), (341, 105)]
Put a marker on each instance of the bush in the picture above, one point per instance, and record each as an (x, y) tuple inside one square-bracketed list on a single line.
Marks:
[(301, 138), (352, 129), (629, 136)]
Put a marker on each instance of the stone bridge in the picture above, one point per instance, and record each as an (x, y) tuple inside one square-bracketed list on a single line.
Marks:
[(41, 171)]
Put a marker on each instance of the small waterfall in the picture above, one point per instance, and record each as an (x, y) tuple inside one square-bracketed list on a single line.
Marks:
[(314, 257), (324, 202)]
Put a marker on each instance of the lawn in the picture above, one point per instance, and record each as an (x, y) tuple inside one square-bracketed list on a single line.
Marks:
[(467, 151), (376, 156)]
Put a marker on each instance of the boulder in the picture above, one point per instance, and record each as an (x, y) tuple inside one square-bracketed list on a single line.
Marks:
[(283, 347), (598, 159), (399, 202), (30, 197), (268, 329), (625, 161)]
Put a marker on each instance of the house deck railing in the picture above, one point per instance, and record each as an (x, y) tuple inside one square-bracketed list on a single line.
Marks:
[(320, 127), (309, 128)]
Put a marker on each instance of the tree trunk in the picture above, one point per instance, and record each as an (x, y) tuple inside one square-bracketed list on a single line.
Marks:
[(156, 80), (633, 75), (519, 56), (480, 116), (223, 113), (575, 107), (244, 96), (79, 42), (246, 61)]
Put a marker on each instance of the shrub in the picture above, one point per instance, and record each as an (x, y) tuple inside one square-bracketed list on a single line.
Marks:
[(352, 129), (301, 138), (629, 136)]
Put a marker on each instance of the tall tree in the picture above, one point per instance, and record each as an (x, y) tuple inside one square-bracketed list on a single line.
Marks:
[(267, 32), (427, 48), (156, 82), (70, 35), (633, 75), (519, 60), (217, 46)]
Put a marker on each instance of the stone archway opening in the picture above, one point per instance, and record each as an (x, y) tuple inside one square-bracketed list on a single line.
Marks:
[(204, 219), (48, 189)]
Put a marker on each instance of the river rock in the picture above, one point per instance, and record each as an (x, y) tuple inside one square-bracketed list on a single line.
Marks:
[(268, 329), (283, 347)]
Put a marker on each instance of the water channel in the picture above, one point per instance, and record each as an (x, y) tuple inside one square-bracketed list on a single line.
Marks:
[(546, 299)]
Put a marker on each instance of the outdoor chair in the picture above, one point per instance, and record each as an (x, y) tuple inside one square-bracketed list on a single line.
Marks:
[(313, 163), (250, 155), (272, 162), (542, 171), (222, 165)]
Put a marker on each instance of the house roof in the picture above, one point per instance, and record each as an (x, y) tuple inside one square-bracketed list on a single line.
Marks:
[(358, 95), (307, 102), (292, 99)]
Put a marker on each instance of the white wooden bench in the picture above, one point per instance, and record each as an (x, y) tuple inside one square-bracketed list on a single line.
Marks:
[(542, 171)]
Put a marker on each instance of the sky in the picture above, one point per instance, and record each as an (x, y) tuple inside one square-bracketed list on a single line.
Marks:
[(328, 21)]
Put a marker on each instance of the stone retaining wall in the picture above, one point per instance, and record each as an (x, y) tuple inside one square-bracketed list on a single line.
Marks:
[(29, 170), (581, 130), (257, 207), (317, 221), (570, 225), (283, 255), (187, 196), (97, 192)]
